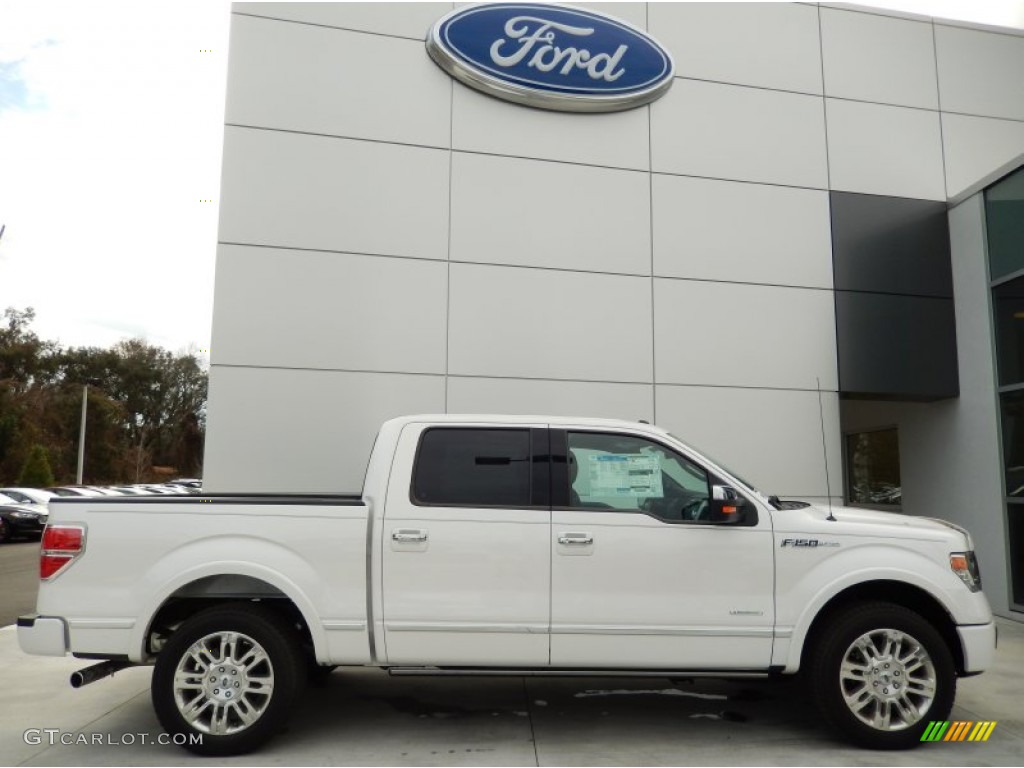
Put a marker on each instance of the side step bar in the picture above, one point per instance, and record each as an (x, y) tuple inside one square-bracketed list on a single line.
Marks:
[(547, 672)]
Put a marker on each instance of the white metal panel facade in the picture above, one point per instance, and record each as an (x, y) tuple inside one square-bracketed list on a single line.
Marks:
[(900, 69), (394, 242)]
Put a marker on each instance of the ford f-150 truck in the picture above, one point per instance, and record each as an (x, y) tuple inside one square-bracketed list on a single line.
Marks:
[(512, 545)]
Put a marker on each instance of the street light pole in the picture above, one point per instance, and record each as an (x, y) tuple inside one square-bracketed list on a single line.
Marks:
[(138, 455), (81, 433)]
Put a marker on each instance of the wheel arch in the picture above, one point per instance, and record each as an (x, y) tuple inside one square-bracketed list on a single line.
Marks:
[(901, 593), (196, 591)]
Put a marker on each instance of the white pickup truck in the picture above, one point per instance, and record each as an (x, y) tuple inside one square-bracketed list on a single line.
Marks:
[(512, 545)]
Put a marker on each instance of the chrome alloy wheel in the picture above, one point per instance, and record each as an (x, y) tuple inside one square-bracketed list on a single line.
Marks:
[(887, 679), (223, 683)]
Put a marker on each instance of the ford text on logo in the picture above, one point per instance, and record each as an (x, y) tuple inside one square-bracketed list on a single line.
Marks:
[(551, 56)]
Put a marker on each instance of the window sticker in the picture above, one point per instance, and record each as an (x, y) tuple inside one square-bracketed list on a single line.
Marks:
[(626, 474)]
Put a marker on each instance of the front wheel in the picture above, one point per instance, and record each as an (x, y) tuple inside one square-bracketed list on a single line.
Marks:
[(880, 673), (227, 678)]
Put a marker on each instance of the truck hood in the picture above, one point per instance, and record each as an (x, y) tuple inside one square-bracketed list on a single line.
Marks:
[(866, 522)]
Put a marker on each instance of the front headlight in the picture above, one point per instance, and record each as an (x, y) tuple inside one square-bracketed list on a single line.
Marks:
[(25, 515), (965, 565)]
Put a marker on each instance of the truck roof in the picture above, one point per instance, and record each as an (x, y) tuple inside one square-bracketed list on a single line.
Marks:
[(491, 418)]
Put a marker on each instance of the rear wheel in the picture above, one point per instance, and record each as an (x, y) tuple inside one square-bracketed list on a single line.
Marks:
[(5, 531), (880, 673), (227, 678)]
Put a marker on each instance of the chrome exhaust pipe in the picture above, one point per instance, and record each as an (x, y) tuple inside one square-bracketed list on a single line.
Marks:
[(97, 672)]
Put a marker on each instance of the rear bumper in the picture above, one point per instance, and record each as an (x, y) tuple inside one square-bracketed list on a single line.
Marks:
[(979, 644), (43, 635)]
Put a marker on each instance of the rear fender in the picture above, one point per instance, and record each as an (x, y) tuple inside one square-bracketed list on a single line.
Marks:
[(265, 561)]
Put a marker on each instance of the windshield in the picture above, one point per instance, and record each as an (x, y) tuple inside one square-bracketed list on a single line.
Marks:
[(722, 466)]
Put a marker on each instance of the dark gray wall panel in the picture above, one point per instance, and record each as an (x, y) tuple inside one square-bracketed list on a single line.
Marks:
[(890, 245), (895, 326), (896, 347)]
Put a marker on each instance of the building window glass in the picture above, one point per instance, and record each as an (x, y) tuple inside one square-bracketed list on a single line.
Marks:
[(1008, 309), (873, 468), (1015, 525), (1004, 226), (1011, 408), (1004, 221)]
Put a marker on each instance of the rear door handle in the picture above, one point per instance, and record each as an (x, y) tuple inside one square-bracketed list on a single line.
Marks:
[(578, 539)]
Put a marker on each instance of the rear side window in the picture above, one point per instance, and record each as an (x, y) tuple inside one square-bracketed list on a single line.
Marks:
[(473, 467)]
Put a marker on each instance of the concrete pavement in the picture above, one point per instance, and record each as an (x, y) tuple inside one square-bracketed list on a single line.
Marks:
[(363, 717), (19, 579)]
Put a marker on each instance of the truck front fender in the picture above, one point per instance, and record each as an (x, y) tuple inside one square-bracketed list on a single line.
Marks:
[(800, 600)]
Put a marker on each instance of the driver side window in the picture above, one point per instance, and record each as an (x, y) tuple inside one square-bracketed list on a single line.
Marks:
[(609, 471)]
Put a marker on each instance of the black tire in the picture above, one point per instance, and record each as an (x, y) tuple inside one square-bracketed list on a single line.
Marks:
[(223, 695), (5, 531), (870, 701)]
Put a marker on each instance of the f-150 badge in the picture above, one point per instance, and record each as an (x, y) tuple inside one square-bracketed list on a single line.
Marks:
[(812, 543)]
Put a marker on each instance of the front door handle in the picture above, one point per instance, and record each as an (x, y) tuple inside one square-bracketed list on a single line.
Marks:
[(409, 535), (579, 539)]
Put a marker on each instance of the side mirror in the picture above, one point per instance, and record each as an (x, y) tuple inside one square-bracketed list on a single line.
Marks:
[(729, 508)]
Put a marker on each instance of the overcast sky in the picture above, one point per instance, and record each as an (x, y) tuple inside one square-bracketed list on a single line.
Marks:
[(111, 121)]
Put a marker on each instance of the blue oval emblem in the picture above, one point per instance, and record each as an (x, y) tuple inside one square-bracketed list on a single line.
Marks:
[(551, 56)]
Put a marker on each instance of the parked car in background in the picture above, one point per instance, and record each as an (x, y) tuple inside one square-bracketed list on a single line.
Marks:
[(13, 500), (178, 488), (21, 520), (73, 490), (17, 498), (159, 489), (104, 490), (28, 495), (128, 490)]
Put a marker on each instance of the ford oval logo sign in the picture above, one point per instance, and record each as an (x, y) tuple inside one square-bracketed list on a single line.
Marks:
[(551, 56)]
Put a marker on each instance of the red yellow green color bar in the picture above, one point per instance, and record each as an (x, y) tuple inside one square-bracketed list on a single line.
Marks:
[(958, 730)]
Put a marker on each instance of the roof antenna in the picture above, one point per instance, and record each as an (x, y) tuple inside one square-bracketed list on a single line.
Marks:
[(824, 451)]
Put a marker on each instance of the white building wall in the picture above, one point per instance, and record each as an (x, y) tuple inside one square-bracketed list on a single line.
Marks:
[(393, 242)]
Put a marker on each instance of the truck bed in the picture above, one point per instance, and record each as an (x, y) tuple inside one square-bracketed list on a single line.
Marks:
[(142, 553)]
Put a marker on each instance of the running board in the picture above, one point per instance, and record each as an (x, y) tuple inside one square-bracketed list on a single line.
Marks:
[(547, 672)]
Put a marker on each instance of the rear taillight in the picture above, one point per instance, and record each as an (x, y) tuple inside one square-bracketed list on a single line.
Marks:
[(60, 546)]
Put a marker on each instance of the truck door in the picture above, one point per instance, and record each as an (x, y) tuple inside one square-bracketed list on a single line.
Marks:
[(642, 575), (466, 561)]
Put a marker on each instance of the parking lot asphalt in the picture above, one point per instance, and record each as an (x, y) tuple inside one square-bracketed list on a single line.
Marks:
[(19, 578), (365, 717)]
